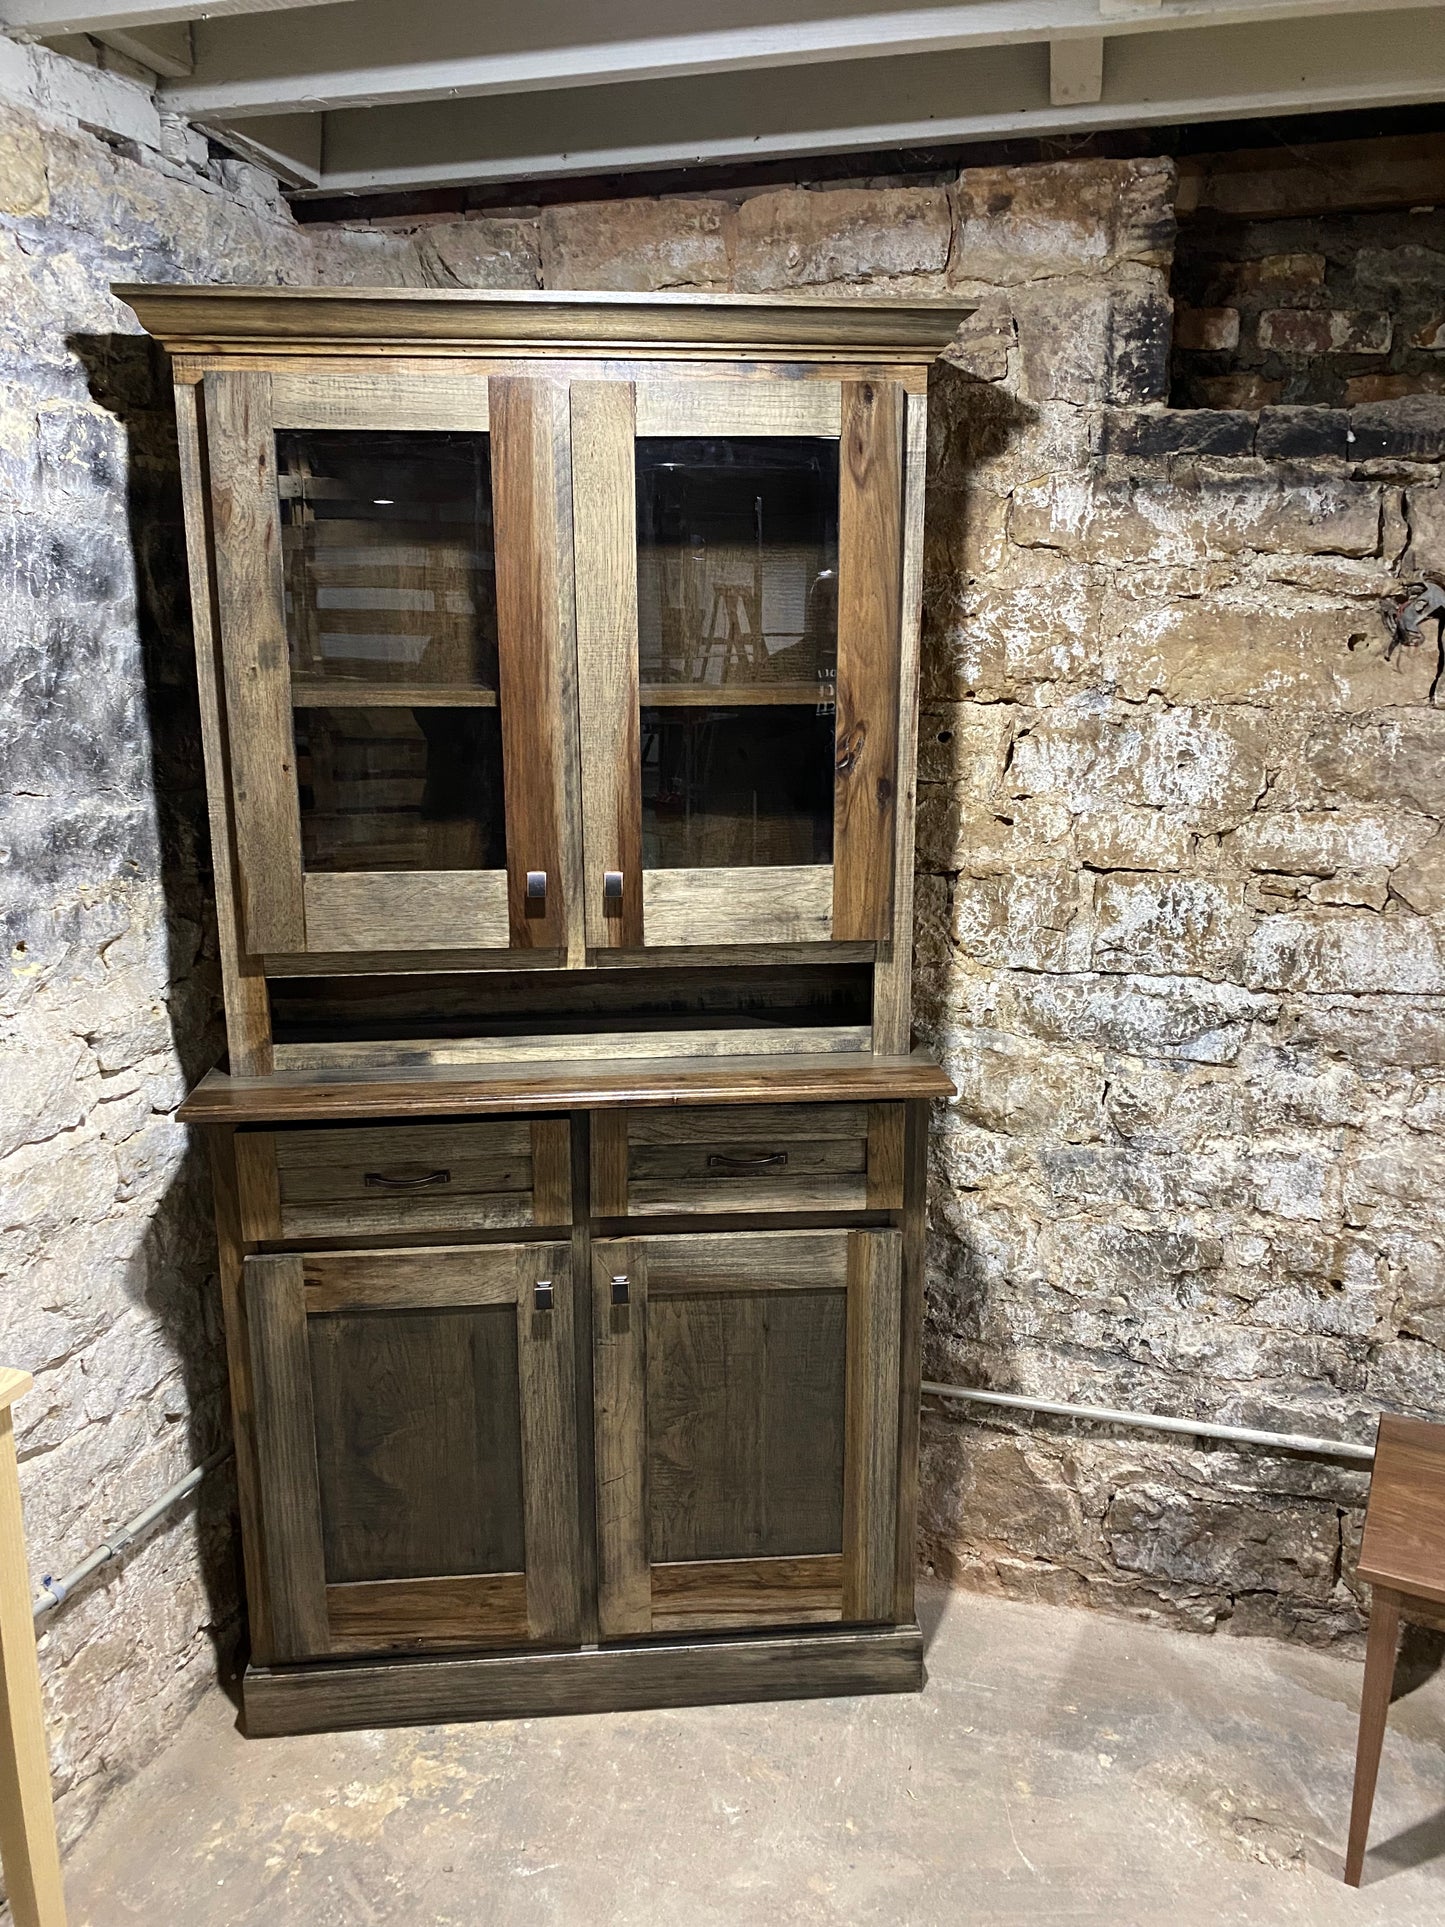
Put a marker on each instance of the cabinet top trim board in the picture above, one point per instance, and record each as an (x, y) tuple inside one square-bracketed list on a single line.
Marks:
[(200, 319)]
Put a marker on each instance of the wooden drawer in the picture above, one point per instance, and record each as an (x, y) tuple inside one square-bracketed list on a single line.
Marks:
[(349, 1180), (747, 1157)]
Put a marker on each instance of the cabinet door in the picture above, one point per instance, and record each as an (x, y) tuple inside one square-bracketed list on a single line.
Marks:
[(746, 1390), (396, 628), (416, 1448), (739, 619)]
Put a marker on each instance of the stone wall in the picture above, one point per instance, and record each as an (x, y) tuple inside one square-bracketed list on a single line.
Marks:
[(110, 1000), (1180, 892)]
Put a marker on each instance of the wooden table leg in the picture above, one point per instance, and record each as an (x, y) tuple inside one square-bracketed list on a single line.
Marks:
[(27, 1819), (1374, 1707)]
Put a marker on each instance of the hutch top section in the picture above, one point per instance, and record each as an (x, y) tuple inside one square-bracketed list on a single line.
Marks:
[(548, 631)]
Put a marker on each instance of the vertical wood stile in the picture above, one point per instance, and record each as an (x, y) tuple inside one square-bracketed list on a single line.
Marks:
[(290, 1486), (551, 1171), (549, 1446), (258, 1185), (910, 1353), (27, 1818), (604, 511), (243, 984), (246, 524), (609, 1164), (893, 973), (624, 1575), (870, 1464), (870, 608), (532, 515), (230, 1239)]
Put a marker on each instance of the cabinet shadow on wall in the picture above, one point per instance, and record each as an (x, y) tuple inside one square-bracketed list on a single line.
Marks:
[(172, 1274)]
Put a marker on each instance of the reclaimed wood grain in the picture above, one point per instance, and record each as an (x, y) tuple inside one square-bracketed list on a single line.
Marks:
[(870, 610), (724, 1593), (716, 1671), (871, 1462), (546, 1365), (702, 407), (243, 981), (290, 1492), (624, 1595), (428, 1615), (452, 1090), (250, 596), (604, 515), (551, 1171), (380, 910), (782, 903), (384, 398)]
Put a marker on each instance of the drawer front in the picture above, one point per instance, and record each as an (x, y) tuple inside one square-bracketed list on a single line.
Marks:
[(346, 1180), (753, 1157)]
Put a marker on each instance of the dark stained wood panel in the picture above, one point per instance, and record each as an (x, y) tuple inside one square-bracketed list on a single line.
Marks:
[(871, 1505), (458, 1089), (710, 1672), (250, 598), (745, 1411), (619, 1394), (546, 1364), (870, 617), (418, 1442), (287, 1480)]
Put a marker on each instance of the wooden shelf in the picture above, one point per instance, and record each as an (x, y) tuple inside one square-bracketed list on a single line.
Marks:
[(464, 1090), (737, 695), (330, 692)]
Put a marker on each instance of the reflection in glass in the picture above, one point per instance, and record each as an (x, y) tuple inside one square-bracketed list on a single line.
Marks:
[(737, 590), (389, 788), (387, 547), (725, 787), (737, 564)]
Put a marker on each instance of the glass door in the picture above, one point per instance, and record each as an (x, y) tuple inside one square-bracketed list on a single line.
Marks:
[(374, 556), (739, 597)]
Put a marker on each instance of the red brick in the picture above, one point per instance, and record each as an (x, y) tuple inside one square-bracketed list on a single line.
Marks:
[(1324, 331), (1238, 391), (1365, 388), (1274, 272), (1204, 328)]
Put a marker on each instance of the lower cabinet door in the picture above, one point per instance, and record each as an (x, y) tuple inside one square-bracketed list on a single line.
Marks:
[(746, 1401), (416, 1450)]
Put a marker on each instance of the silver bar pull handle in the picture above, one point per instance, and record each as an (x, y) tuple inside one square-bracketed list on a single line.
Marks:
[(536, 885), (542, 1295), (612, 886), (620, 1292)]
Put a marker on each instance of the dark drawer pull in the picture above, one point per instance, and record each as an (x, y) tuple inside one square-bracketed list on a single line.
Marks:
[(380, 1180), (721, 1161)]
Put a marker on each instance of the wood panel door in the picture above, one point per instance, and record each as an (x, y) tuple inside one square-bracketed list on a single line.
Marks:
[(393, 581), (739, 569), (746, 1404), (416, 1448)]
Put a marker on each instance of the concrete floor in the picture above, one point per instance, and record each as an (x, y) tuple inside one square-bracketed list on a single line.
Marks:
[(1059, 1767)]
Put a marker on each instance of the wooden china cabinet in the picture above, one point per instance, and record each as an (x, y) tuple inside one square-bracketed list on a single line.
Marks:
[(558, 659)]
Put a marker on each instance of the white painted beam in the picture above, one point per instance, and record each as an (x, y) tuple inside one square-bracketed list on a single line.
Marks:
[(289, 144), (45, 18), (1210, 74), (378, 53), (165, 48), (1076, 71)]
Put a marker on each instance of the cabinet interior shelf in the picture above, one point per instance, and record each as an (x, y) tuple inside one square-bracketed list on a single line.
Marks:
[(331, 692), (736, 695)]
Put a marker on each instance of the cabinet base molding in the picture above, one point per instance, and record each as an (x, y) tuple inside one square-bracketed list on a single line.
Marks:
[(703, 1672)]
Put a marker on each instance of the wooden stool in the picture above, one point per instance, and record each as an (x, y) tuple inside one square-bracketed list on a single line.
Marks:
[(27, 1820), (1402, 1556)]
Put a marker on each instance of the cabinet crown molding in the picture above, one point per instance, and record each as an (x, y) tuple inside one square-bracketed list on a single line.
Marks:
[(198, 319)]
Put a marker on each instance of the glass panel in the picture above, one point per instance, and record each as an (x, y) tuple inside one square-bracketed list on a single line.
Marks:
[(387, 547), (389, 788), (737, 649), (724, 788)]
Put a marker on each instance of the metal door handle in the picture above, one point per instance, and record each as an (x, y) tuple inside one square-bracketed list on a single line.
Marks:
[(379, 1178), (542, 1295), (720, 1160), (536, 884), (620, 1289), (612, 886)]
